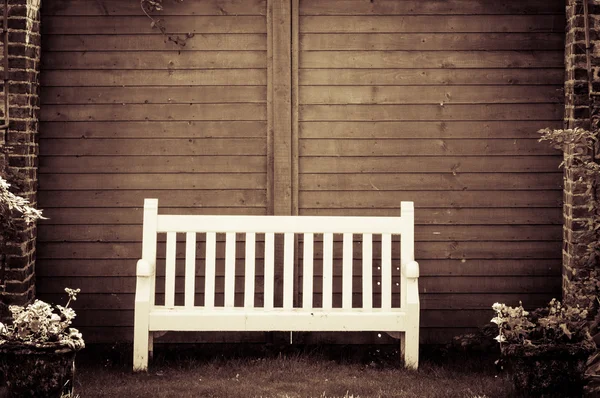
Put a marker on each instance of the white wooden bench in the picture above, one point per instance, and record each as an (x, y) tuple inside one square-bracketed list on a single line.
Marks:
[(151, 317)]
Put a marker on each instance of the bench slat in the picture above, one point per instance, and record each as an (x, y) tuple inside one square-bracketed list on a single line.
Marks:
[(190, 268), (170, 269), (249, 274), (386, 271), (367, 263), (229, 269), (407, 245), (327, 270), (234, 319), (280, 224), (211, 254), (307, 274), (288, 270), (347, 272), (269, 269)]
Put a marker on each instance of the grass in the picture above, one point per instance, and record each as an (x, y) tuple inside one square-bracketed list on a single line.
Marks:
[(199, 371)]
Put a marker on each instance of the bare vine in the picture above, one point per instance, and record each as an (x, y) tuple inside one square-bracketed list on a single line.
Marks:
[(149, 6)]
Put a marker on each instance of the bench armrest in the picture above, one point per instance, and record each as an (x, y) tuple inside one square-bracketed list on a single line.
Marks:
[(144, 279), (411, 273), (411, 270), (144, 268)]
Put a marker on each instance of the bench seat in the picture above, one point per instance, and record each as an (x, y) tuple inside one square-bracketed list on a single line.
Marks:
[(278, 319)]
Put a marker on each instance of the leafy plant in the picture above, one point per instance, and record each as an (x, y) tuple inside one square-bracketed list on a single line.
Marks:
[(578, 146), (40, 323), (554, 324)]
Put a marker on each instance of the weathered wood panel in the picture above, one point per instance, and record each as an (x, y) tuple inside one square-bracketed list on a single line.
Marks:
[(126, 114), (156, 129), (439, 102), (430, 41), (312, 95), (119, 7), (345, 76), (153, 95), (435, 7), (138, 24), (425, 129), (448, 24)]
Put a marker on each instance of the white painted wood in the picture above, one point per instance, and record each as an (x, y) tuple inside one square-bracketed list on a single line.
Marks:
[(347, 271), (307, 273), (190, 268), (170, 269), (209, 279), (151, 319), (407, 243), (145, 287), (278, 319), (249, 274), (279, 224), (327, 270), (269, 269), (386, 271), (229, 269), (149, 240), (367, 270), (288, 270)]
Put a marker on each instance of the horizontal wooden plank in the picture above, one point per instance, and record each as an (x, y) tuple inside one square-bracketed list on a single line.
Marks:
[(156, 42), (152, 181), (424, 233), (425, 250), (177, 24), (430, 41), (424, 147), (200, 77), (437, 112), (166, 60), (458, 285), (432, 23), (429, 94), (434, 164), (439, 301), (434, 182), (435, 7), (441, 268), (139, 112), (421, 76), (431, 59), (429, 199), (151, 164), (442, 215), (131, 198), (425, 129), (150, 147), (154, 95), (457, 216), (119, 216), (119, 7), (154, 129)]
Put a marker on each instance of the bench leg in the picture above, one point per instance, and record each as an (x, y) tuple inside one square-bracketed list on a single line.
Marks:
[(409, 349), (141, 337)]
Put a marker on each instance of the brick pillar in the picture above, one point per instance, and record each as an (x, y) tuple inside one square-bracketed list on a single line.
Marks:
[(21, 137), (578, 105)]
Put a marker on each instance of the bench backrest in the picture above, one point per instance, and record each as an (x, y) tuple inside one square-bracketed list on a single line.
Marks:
[(303, 228)]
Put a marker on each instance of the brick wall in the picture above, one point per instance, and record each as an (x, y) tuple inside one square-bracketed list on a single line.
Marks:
[(21, 136)]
